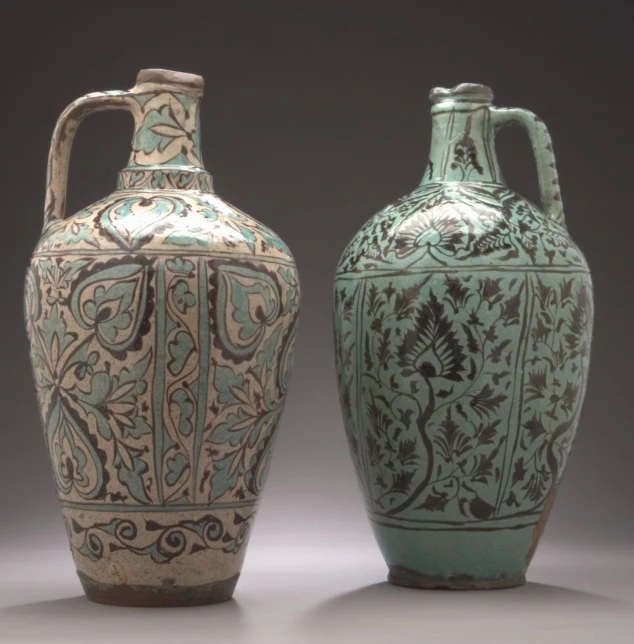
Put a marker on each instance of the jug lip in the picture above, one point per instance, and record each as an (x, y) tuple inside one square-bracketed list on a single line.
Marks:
[(464, 92), (181, 80)]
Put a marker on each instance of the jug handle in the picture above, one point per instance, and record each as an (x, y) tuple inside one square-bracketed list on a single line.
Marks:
[(62, 141), (544, 156)]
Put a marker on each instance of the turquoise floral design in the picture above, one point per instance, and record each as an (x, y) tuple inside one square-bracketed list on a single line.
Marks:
[(161, 324), (166, 542), (182, 296), (170, 130), (100, 416), (463, 323)]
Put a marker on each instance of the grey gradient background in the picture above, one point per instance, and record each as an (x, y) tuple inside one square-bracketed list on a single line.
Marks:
[(315, 116)]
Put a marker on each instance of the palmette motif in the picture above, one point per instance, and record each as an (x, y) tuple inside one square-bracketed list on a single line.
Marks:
[(438, 357), (463, 323), (161, 324)]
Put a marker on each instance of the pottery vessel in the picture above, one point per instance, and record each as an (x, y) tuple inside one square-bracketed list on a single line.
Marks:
[(161, 322), (463, 317)]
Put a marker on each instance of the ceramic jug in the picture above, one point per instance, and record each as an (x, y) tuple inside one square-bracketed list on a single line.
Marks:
[(161, 322), (463, 318)]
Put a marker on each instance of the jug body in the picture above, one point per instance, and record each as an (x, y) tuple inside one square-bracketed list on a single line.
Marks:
[(463, 317), (161, 324)]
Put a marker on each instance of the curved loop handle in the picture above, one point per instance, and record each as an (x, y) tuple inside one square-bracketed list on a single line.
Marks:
[(61, 144), (544, 156)]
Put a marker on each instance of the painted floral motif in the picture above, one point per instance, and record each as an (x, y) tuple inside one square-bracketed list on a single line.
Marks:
[(436, 224), (139, 406), (169, 128), (160, 542), (130, 222), (161, 323), (140, 178), (429, 395)]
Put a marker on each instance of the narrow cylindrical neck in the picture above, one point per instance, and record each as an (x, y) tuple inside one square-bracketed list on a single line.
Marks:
[(166, 129), (461, 144), (166, 151)]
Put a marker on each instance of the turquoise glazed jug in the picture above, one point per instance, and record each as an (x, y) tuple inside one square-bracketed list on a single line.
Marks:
[(463, 317), (161, 322)]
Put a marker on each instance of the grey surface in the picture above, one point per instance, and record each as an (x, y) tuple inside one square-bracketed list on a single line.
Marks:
[(315, 116), (314, 593)]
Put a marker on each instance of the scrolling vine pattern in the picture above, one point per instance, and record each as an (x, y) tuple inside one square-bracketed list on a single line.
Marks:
[(161, 380), (129, 222), (460, 390), (162, 543), (435, 224)]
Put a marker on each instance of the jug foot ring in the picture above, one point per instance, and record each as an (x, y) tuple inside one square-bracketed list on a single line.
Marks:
[(157, 596), (401, 576)]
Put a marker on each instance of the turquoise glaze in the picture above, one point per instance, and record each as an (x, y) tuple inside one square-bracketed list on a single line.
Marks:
[(161, 324), (463, 317)]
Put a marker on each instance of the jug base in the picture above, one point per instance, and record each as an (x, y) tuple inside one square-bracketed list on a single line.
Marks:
[(401, 576), (157, 596)]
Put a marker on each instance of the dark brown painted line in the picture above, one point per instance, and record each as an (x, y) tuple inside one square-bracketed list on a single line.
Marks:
[(505, 484), (518, 373), (175, 507), (536, 268), (175, 252), (359, 393), (453, 529), (516, 515)]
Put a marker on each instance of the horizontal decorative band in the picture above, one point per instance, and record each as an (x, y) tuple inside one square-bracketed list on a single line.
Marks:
[(393, 272), (466, 527), (120, 507), (150, 251), (164, 179)]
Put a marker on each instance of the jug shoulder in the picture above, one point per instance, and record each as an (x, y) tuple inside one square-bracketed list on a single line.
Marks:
[(460, 224), (150, 222)]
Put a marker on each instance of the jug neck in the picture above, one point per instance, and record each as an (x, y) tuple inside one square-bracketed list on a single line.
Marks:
[(462, 141), (166, 147)]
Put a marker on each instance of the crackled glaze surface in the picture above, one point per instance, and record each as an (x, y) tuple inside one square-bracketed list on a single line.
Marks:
[(463, 318), (161, 323)]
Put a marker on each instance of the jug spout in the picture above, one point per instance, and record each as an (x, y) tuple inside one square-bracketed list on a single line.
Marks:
[(166, 151), (184, 82)]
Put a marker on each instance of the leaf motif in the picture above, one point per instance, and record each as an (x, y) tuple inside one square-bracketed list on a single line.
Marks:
[(222, 479), (402, 482), (225, 381), (406, 301), (182, 411), (486, 401), (384, 352), (519, 471), (457, 292), (168, 131), (435, 502), (480, 508), (367, 354), (565, 290), (497, 350), (232, 430), (138, 428), (407, 452), (535, 427), (510, 312), (537, 385), (130, 470), (175, 468), (472, 343), (432, 347)]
